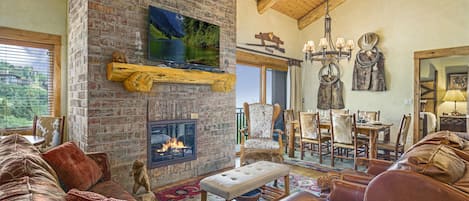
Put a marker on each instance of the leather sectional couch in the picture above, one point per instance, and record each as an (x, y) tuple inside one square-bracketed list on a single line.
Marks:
[(434, 169), (25, 173)]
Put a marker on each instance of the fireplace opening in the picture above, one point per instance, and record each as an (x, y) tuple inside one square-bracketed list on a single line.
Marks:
[(171, 142)]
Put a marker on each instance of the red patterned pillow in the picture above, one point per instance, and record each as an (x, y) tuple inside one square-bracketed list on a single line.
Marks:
[(77, 195), (74, 168)]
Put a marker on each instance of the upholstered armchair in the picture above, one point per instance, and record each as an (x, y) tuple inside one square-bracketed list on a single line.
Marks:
[(259, 142), (51, 128)]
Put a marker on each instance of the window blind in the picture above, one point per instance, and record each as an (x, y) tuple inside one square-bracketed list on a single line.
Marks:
[(26, 82)]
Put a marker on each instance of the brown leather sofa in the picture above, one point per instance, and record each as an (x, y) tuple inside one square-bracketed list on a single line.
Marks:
[(25, 175), (434, 169)]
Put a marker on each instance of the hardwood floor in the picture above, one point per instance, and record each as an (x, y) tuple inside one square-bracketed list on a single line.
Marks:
[(306, 171)]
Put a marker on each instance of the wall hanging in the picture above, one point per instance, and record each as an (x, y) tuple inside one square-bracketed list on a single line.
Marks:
[(368, 72), (270, 37)]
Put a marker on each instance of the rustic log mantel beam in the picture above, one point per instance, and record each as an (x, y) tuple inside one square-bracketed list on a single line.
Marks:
[(140, 78)]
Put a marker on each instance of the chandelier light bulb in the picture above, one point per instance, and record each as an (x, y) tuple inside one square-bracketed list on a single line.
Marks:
[(323, 43), (350, 44), (340, 43), (311, 47)]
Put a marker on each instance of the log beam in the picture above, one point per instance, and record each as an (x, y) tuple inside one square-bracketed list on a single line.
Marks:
[(317, 13), (264, 5), (138, 78)]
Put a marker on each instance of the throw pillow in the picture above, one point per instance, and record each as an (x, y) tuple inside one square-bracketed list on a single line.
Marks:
[(74, 168), (77, 195)]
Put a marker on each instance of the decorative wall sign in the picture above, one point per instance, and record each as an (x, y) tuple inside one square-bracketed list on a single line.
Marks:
[(456, 81), (271, 38)]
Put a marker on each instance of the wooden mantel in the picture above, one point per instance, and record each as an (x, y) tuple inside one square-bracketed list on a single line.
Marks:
[(140, 78)]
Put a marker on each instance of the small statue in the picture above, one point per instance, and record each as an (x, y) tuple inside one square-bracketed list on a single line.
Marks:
[(139, 172), (118, 56)]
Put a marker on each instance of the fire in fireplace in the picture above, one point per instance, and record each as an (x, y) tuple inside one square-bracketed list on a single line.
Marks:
[(171, 142)]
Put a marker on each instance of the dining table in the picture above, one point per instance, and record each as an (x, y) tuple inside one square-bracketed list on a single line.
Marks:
[(371, 129)]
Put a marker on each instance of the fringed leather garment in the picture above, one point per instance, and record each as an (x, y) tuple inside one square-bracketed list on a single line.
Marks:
[(330, 94), (368, 72)]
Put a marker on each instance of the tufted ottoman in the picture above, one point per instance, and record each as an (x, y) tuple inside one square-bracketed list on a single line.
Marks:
[(233, 183)]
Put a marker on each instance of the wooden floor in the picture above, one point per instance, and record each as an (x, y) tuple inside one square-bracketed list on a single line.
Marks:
[(306, 171)]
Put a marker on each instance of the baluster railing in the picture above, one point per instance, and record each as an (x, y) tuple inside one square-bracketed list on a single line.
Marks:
[(240, 123)]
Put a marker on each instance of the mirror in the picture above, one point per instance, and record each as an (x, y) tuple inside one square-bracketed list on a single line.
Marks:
[(440, 90)]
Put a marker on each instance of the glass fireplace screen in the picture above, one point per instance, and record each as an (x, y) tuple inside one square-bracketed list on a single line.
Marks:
[(171, 142)]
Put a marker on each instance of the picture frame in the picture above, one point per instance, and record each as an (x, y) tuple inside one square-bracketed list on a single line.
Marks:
[(456, 81)]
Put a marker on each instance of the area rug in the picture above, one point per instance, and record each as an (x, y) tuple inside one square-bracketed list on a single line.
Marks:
[(191, 191)]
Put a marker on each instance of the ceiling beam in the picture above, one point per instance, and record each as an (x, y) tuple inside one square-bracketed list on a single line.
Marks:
[(264, 5), (316, 13)]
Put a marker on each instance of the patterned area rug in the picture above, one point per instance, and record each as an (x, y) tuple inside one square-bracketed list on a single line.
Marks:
[(191, 190)]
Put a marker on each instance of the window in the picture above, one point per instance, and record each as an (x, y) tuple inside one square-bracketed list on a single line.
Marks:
[(29, 77), (248, 85)]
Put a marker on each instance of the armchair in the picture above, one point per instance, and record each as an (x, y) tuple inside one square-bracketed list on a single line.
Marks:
[(260, 119)]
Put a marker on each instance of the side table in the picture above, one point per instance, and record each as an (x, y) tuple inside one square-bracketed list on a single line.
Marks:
[(453, 123)]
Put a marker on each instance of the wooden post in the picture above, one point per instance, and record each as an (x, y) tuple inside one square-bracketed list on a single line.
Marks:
[(287, 185), (203, 195), (291, 140), (263, 84)]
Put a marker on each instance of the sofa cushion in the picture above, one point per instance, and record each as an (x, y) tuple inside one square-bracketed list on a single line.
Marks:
[(463, 183), (19, 158), (31, 188), (112, 189), (444, 138), (437, 161), (74, 168), (24, 175), (77, 195)]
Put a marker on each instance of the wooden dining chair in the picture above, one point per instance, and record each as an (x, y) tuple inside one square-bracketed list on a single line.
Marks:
[(325, 115), (51, 128), (344, 137), (311, 134), (288, 118), (368, 115), (399, 145)]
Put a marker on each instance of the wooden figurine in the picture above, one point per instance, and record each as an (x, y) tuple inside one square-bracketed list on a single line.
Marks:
[(139, 172), (120, 57)]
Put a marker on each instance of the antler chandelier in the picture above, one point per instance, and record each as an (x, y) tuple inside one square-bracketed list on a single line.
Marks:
[(328, 51)]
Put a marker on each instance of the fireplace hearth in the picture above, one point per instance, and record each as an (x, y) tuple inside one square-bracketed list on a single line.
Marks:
[(171, 142)]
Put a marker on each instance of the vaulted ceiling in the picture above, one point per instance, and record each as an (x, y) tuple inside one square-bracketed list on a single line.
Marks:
[(304, 11)]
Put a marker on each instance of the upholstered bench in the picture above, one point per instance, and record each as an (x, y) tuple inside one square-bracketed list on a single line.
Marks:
[(233, 183)]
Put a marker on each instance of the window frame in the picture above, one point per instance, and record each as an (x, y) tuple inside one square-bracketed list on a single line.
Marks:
[(52, 42), (264, 63)]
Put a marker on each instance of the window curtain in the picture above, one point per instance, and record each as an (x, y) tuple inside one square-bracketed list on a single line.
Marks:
[(296, 95)]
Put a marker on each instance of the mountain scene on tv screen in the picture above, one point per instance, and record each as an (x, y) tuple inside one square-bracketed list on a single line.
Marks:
[(179, 39)]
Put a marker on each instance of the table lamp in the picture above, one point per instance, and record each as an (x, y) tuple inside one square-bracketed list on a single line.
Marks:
[(456, 96)]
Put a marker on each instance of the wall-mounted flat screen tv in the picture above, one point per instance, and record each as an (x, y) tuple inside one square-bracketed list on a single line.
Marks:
[(177, 39)]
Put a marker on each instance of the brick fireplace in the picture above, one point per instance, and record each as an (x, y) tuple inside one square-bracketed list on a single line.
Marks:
[(103, 116)]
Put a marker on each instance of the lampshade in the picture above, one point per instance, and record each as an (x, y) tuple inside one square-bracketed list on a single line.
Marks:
[(454, 95)]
